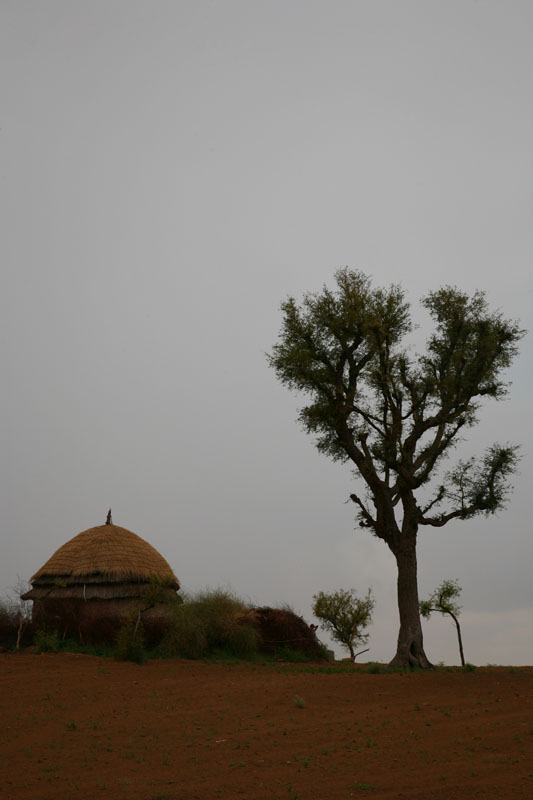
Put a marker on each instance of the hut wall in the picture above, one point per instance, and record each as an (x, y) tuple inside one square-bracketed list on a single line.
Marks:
[(89, 620), (96, 620)]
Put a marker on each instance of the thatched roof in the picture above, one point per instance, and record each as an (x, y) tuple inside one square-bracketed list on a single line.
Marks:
[(105, 554)]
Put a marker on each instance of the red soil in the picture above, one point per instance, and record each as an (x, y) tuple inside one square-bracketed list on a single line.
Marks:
[(81, 727)]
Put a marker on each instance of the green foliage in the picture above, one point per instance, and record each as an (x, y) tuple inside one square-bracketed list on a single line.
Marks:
[(333, 338), (185, 635), (426, 608), (292, 656), (394, 414), (208, 622), (242, 641), (47, 641), (345, 616), (129, 645), (157, 592), (443, 599), (90, 649)]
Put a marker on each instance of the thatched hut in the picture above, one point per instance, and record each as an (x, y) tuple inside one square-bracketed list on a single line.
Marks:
[(99, 579)]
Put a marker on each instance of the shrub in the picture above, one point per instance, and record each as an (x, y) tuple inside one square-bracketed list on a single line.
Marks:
[(185, 636), (205, 623), (47, 641), (242, 641), (129, 644)]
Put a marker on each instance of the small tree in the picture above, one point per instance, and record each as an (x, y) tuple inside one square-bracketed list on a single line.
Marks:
[(345, 616), (444, 600)]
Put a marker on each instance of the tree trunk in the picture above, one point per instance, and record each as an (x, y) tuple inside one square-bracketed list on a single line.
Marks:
[(410, 651), (461, 653)]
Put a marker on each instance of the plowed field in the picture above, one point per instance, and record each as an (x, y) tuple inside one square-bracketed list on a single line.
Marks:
[(75, 726)]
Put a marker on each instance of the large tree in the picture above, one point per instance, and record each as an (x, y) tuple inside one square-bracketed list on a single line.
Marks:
[(396, 415)]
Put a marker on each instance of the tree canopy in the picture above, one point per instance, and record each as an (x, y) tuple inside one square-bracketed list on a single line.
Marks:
[(345, 616)]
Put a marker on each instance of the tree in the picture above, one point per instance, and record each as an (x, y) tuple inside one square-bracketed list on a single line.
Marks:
[(443, 600), (345, 616), (395, 415)]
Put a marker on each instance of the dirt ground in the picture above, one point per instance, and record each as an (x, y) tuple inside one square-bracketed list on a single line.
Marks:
[(76, 726)]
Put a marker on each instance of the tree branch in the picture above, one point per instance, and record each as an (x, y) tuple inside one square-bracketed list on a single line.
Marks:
[(368, 520), (442, 519)]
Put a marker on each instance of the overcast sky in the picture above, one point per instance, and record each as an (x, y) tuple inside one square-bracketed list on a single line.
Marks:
[(170, 172)]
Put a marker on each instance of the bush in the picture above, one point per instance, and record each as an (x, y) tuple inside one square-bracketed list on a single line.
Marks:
[(129, 644), (47, 641), (205, 623), (185, 636), (242, 641)]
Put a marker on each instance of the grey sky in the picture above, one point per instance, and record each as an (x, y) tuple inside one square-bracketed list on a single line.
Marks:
[(170, 171)]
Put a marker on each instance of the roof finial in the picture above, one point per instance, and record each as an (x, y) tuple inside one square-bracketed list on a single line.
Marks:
[(109, 521)]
